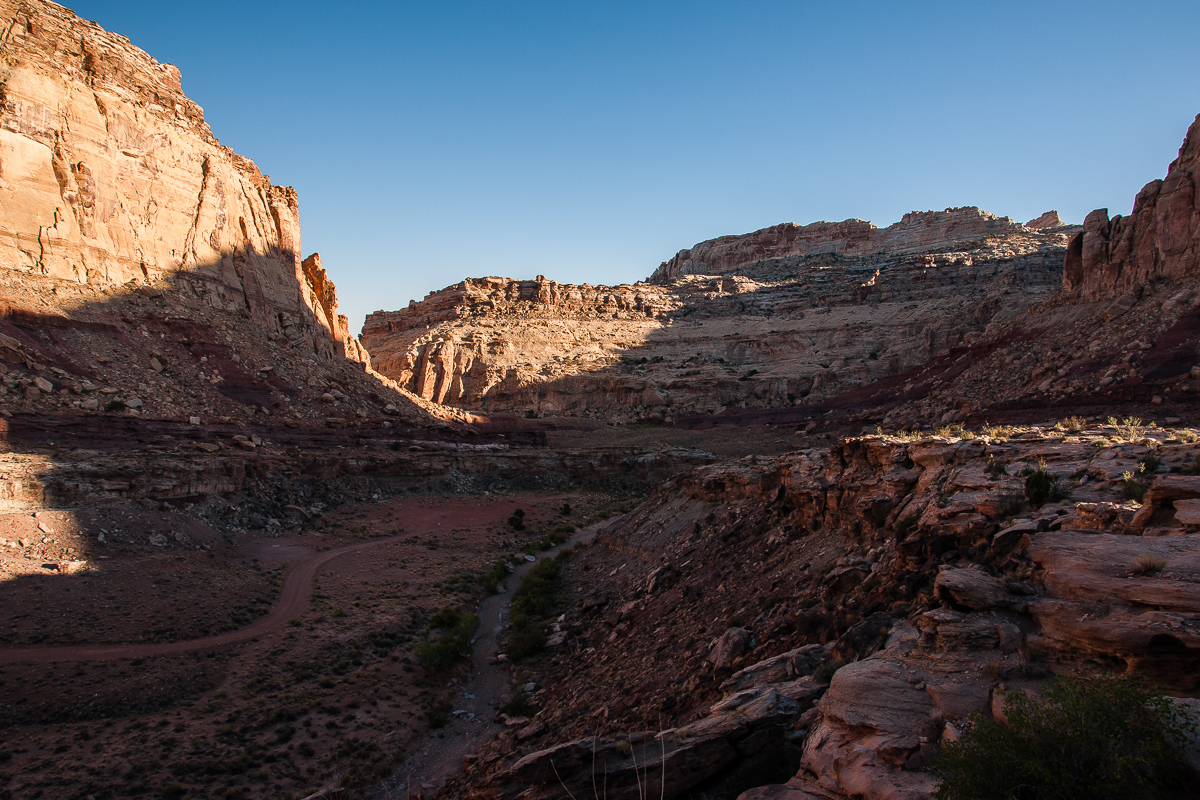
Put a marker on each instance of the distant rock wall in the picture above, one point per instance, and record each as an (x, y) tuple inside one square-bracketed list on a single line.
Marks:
[(110, 177), (1159, 240), (774, 332), (918, 231)]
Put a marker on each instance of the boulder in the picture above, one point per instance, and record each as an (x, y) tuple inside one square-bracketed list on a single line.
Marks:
[(970, 588), (728, 647)]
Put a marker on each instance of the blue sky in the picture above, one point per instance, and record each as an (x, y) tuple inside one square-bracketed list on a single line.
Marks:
[(590, 141)]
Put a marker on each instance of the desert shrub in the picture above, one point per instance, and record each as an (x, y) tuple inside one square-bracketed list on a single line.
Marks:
[(955, 431), (565, 510), (1129, 428), (519, 706), (495, 577), (1132, 488), (534, 600), (998, 433), (824, 673), (1073, 424), (1088, 739), (1147, 564), (1149, 464), (1039, 486), (995, 469), (517, 520), (441, 654)]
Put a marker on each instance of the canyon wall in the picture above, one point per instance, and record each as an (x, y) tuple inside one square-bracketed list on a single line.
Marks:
[(1159, 240), (918, 231), (800, 313), (111, 178)]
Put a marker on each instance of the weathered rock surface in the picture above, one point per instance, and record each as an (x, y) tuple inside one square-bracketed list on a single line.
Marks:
[(803, 319), (147, 269), (916, 563), (1159, 240), (766, 249), (109, 176)]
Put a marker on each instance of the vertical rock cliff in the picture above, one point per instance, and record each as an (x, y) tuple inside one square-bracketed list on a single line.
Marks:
[(1159, 240), (110, 177)]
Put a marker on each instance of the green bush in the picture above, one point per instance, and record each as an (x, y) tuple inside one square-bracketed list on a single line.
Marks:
[(534, 600), (1039, 486), (519, 706), (1088, 739), (494, 577), (439, 656), (1132, 488), (517, 520)]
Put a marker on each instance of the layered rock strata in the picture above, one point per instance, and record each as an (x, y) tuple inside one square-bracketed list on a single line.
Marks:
[(110, 178), (1158, 241), (786, 323), (145, 268), (914, 571), (917, 232)]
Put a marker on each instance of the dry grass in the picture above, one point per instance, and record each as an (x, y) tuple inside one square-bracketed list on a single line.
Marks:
[(1147, 564), (998, 433), (1071, 424), (1128, 429)]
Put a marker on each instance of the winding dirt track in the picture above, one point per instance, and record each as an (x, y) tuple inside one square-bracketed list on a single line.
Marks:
[(293, 599)]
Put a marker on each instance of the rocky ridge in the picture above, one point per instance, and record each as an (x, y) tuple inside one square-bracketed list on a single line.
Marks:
[(1159, 242), (915, 573), (787, 324), (916, 232)]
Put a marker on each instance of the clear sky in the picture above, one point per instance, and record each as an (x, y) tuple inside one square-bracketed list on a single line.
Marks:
[(590, 141)]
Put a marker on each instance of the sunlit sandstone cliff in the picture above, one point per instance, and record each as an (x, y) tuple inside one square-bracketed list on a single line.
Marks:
[(110, 175), (771, 318)]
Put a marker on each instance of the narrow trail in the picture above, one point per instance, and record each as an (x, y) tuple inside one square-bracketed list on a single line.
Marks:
[(293, 599), (441, 755)]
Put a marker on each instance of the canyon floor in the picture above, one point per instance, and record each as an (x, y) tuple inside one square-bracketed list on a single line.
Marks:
[(205, 662)]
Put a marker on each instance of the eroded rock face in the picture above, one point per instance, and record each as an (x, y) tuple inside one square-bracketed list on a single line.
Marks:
[(914, 566), (110, 178), (815, 314), (1159, 240), (917, 232)]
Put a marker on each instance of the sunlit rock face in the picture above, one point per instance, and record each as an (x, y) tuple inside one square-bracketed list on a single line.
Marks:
[(109, 176), (777, 317), (1158, 242)]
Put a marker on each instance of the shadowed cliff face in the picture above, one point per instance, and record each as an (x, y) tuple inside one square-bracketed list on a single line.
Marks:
[(1159, 241), (110, 178), (776, 330)]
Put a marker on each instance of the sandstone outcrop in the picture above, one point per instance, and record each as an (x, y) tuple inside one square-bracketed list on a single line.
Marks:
[(916, 232), (1158, 241), (913, 571), (806, 319), (147, 269), (111, 179)]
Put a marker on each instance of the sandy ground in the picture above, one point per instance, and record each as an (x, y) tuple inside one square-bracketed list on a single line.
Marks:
[(320, 688)]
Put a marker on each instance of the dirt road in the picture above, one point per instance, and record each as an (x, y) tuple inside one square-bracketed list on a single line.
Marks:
[(293, 599)]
